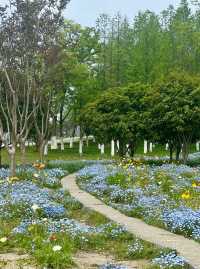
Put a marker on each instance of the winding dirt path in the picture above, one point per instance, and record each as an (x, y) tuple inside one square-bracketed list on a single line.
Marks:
[(187, 248)]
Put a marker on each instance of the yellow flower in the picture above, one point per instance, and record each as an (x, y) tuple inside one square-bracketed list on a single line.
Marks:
[(185, 195), (194, 184), (13, 179)]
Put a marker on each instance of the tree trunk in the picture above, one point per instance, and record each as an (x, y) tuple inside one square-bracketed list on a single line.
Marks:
[(122, 148), (41, 150), (12, 153), (23, 151), (1, 142), (61, 122), (171, 152), (132, 149), (148, 146), (46, 149), (55, 125), (62, 145), (185, 152), (178, 151)]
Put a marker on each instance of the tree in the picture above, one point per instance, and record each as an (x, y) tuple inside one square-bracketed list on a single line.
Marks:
[(174, 111), (26, 32), (75, 73), (117, 115)]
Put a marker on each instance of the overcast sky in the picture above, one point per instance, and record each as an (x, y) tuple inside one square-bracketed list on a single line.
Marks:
[(85, 12)]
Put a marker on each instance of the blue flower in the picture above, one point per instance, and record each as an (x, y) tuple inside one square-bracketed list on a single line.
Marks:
[(169, 260)]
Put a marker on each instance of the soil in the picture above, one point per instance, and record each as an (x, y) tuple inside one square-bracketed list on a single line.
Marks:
[(90, 260), (83, 260)]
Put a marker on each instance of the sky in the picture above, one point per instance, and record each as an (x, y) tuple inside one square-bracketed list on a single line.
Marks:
[(85, 12)]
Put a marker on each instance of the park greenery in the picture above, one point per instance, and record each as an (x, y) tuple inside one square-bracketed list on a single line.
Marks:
[(121, 80), (122, 83)]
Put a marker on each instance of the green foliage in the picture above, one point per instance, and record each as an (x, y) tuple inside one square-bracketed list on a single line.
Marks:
[(117, 114), (118, 179), (164, 181), (167, 112), (174, 112)]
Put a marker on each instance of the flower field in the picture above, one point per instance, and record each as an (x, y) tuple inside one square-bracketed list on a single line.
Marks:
[(166, 196), (37, 217)]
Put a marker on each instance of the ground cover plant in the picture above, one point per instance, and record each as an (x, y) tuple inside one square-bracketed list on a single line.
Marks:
[(39, 218), (166, 195)]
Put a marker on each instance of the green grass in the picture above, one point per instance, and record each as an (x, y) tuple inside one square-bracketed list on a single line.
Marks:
[(89, 153)]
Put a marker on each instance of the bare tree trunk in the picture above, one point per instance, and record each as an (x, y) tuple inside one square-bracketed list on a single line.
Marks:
[(41, 149), (12, 154), (23, 151)]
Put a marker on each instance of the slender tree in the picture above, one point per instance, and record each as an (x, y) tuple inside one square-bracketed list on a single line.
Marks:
[(27, 29)]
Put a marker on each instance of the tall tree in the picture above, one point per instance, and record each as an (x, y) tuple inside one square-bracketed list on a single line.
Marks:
[(27, 29)]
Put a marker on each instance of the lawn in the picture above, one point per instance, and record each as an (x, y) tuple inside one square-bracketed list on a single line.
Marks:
[(90, 152)]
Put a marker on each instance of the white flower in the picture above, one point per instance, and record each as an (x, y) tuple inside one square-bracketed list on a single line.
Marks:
[(57, 248), (36, 175), (3, 239), (35, 207)]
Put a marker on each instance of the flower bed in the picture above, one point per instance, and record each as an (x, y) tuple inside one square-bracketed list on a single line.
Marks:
[(167, 195), (35, 217)]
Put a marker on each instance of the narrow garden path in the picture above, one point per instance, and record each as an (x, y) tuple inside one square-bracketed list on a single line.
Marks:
[(15, 261), (187, 248), (90, 260)]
